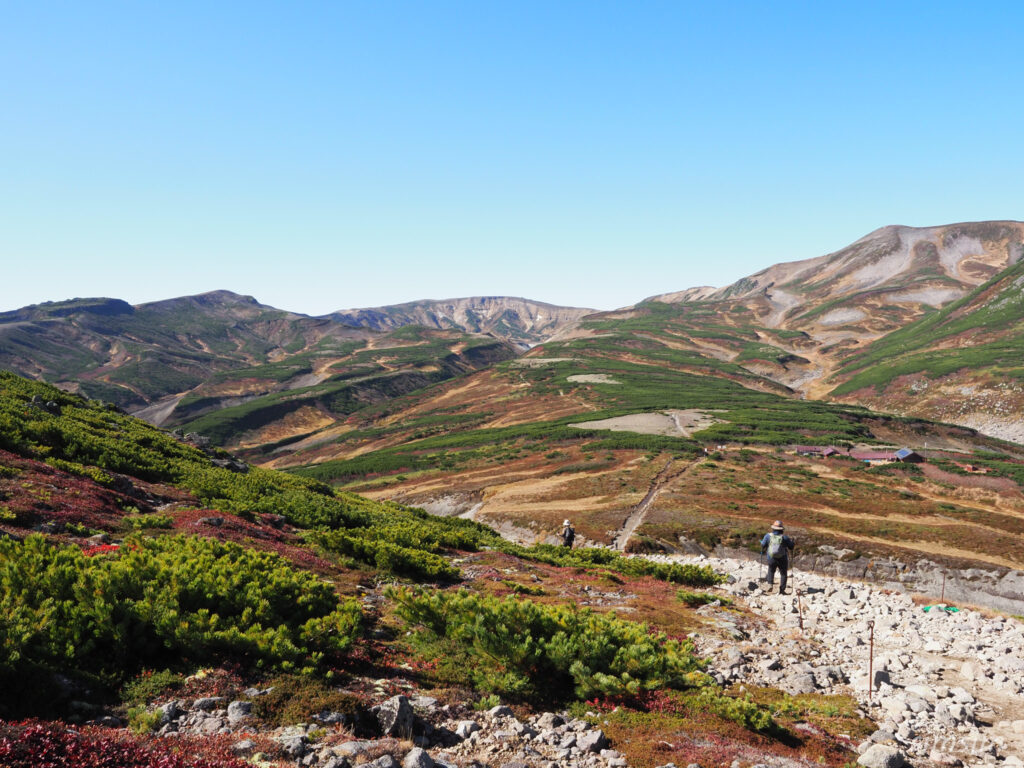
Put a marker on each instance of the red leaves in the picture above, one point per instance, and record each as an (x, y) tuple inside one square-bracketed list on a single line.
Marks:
[(55, 745), (100, 549)]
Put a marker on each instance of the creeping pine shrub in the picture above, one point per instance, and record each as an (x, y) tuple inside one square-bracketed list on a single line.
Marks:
[(139, 522), (525, 650), (158, 602), (402, 561)]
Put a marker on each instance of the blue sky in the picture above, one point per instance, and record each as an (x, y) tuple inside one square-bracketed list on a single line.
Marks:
[(321, 156)]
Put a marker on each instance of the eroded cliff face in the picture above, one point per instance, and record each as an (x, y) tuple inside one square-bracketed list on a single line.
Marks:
[(520, 320)]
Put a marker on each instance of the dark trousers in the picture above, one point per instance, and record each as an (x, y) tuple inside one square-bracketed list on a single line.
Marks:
[(783, 567)]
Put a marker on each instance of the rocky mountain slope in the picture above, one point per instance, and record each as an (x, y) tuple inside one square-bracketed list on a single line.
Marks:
[(962, 364), (519, 320)]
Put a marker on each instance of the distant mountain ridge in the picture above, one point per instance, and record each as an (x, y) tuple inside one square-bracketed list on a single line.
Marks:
[(520, 320), (804, 328)]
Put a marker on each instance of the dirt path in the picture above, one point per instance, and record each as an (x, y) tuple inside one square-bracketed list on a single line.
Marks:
[(636, 517)]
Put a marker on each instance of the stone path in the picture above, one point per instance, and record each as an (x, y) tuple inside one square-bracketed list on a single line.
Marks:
[(948, 687)]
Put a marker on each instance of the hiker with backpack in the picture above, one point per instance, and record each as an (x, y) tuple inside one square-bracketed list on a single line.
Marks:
[(568, 535), (777, 546)]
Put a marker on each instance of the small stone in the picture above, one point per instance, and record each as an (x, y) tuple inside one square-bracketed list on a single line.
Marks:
[(500, 711), (243, 747)]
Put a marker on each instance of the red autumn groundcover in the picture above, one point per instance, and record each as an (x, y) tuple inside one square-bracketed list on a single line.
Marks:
[(58, 745)]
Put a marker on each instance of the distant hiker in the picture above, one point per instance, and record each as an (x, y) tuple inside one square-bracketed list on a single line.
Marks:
[(777, 546), (568, 535)]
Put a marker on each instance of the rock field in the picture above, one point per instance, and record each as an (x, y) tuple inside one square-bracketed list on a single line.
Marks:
[(948, 687)]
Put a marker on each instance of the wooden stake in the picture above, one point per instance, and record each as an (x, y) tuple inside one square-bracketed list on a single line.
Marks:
[(871, 659)]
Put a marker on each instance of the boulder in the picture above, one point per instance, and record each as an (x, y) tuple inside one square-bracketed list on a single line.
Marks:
[(418, 758), (239, 711), (395, 717), (550, 720), (465, 728), (208, 703), (881, 756), (591, 741)]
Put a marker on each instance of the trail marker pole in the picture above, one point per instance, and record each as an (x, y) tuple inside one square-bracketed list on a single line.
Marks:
[(943, 598), (871, 659), (799, 610)]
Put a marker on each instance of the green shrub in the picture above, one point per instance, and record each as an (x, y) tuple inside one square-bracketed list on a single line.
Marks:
[(296, 699), (141, 720), (138, 522), (156, 602), (402, 561), (525, 650), (149, 685)]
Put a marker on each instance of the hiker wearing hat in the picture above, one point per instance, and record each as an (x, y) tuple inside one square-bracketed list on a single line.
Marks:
[(568, 535), (777, 546)]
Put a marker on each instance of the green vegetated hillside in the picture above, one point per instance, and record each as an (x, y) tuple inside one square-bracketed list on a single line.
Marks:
[(129, 560), (348, 380), (229, 363), (133, 356)]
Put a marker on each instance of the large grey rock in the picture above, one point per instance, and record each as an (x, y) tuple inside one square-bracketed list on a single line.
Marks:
[(418, 758), (385, 761), (208, 703), (465, 728), (500, 711), (396, 717), (294, 746), (591, 741), (239, 711), (171, 711), (352, 748), (882, 756), (550, 720)]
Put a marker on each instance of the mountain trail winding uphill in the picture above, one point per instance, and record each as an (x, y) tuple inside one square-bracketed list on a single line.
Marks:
[(636, 517)]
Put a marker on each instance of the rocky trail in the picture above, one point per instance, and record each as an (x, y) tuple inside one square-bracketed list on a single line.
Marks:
[(947, 686)]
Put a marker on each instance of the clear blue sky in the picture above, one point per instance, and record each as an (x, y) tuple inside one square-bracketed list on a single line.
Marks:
[(329, 155)]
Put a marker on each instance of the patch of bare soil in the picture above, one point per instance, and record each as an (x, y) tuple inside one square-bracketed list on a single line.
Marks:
[(679, 423), (593, 378)]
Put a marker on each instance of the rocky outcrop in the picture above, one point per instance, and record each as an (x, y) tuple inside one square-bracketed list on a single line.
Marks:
[(519, 320)]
